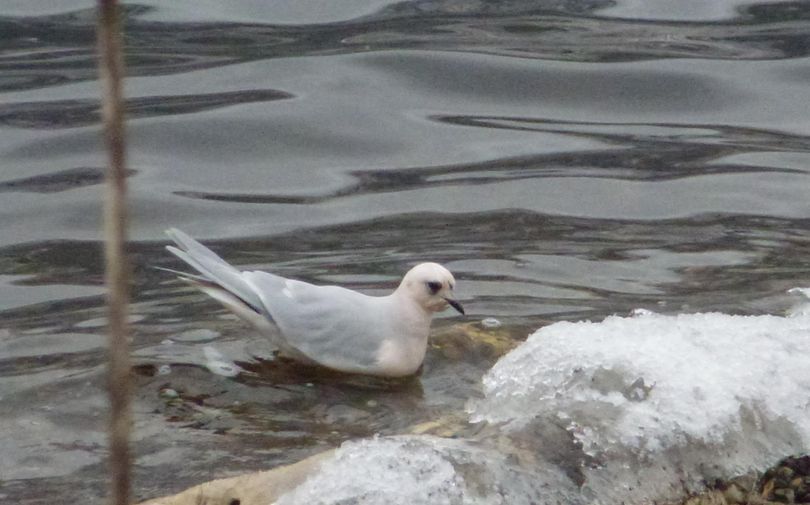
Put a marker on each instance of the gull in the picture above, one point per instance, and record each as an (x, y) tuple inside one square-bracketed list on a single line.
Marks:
[(329, 326)]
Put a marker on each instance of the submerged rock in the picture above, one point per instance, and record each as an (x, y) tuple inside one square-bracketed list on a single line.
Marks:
[(473, 342)]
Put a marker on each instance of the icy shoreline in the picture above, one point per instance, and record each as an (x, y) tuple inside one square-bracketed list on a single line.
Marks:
[(639, 409)]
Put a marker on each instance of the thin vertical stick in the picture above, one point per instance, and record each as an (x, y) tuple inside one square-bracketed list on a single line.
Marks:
[(111, 70)]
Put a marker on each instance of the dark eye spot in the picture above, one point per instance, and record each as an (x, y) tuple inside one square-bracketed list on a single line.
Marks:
[(434, 287)]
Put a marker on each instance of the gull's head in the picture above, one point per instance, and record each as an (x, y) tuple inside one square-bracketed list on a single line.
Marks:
[(431, 286)]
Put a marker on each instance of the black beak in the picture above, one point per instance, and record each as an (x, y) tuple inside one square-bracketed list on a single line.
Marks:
[(455, 305)]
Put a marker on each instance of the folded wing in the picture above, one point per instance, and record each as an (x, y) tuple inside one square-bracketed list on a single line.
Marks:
[(337, 327)]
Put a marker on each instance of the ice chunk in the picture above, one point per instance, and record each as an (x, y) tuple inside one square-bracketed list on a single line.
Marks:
[(197, 335), (426, 470), (802, 306), (490, 322), (218, 364), (656, 405)]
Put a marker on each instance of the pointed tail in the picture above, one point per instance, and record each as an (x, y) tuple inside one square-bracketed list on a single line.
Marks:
[(215, 272)]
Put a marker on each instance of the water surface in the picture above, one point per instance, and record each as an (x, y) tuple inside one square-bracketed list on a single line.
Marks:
[(566, 160)]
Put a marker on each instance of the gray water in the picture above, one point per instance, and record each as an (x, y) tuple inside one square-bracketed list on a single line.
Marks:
[(566, 160)]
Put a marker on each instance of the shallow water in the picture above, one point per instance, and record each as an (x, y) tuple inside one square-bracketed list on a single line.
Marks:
[(566, 160)]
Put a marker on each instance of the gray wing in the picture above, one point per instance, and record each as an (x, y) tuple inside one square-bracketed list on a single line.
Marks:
[(336, 327)]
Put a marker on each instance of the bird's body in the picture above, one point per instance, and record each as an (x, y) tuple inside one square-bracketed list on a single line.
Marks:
[(328, 325)]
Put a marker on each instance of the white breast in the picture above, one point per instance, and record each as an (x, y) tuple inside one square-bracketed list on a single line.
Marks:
[(401, 357)]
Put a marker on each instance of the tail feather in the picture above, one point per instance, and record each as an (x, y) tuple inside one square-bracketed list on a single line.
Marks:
[(182, 275), (213, 269), (194, 248)]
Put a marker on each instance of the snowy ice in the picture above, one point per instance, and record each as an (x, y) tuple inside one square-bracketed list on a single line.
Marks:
[(427, 470), (653, 403)]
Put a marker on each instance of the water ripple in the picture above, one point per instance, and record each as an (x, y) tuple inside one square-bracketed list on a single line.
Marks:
[(77, 113)]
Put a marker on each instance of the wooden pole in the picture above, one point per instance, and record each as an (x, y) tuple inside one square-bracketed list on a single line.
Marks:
[(111, 72)]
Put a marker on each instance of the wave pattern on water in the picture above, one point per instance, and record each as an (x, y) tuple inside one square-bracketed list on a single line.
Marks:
[(58, 49), (566, 161)]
